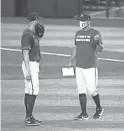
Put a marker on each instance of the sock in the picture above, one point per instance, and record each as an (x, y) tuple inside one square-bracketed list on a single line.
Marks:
[(29, 104), (83, 101), (97, 100)]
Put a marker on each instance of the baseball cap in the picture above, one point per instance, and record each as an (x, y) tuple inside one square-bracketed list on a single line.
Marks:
[(32, 16), (84, 17)]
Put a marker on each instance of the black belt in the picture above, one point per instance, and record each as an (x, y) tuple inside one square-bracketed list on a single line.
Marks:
[(35, 61)]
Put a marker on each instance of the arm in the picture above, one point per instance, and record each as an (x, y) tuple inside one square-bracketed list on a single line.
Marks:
[(99, 43), (26, 47), (26, 61), (73, 55)]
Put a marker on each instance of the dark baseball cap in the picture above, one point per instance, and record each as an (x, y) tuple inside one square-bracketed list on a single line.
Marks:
[(84, 17), (32, 16)]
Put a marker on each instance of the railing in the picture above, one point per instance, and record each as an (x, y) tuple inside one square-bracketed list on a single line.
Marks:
[(99, 5)]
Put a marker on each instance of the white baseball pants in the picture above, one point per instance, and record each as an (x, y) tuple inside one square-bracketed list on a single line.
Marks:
[(87, 80), (31, 87)]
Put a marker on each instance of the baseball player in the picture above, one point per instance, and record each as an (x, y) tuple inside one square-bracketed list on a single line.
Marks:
[(30, 66), (88, 43)]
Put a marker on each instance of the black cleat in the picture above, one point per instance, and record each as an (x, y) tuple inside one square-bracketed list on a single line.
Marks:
[(31, 122), (82, 117), (38, 121), (99, 113)]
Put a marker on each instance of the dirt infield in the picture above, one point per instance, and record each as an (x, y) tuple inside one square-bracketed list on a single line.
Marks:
[(57, 104)]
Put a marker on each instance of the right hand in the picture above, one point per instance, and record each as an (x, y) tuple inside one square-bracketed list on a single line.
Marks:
[(69, 64), (28, 77)]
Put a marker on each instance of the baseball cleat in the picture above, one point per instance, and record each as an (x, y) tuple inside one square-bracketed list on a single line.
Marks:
[(38, 121), (82, 117), (99, 113), (31, 122)]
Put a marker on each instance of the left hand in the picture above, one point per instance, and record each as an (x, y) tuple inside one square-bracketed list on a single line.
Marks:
[(99, 48)]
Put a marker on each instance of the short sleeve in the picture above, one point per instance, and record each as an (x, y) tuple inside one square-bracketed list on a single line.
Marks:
[(98, 38), (26, 41)]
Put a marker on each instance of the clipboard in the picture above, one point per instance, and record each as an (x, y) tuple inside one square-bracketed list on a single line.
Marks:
[(68, 71)]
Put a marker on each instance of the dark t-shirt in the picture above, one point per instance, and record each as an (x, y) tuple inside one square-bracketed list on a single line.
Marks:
[(30, 42), (86, 47)]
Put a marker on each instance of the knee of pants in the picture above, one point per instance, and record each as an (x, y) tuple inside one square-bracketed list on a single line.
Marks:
[(31, 92), (93, 92), (81, 90), (31, 89), (36, 92)]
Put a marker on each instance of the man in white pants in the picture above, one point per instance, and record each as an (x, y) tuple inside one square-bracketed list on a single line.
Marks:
[(88, 43), (30, 65)]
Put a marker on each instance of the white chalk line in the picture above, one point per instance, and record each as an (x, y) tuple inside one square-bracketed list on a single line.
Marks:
[(63, 55)]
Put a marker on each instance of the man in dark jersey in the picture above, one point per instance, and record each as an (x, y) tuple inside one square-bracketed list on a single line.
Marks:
[(88, 43), (30, 65)]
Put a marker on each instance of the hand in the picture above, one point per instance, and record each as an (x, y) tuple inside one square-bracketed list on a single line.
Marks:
[(99, 48), (28, 77), (69, 64)]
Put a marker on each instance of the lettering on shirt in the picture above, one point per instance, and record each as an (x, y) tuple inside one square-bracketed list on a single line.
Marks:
[(85, 38)]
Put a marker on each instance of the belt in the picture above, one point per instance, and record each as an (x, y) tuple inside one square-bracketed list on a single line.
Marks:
[(35, 61)]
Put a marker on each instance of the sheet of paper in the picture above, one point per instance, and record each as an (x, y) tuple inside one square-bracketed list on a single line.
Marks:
[(67, 71)]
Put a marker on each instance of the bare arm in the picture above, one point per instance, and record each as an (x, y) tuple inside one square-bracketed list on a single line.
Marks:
[(26, 61), (73, 54)]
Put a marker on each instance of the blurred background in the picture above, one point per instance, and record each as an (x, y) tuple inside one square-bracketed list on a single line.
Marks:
[(57, 103), (62, 8)]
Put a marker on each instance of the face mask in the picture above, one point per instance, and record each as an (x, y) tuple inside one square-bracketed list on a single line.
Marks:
[(83, 24)]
